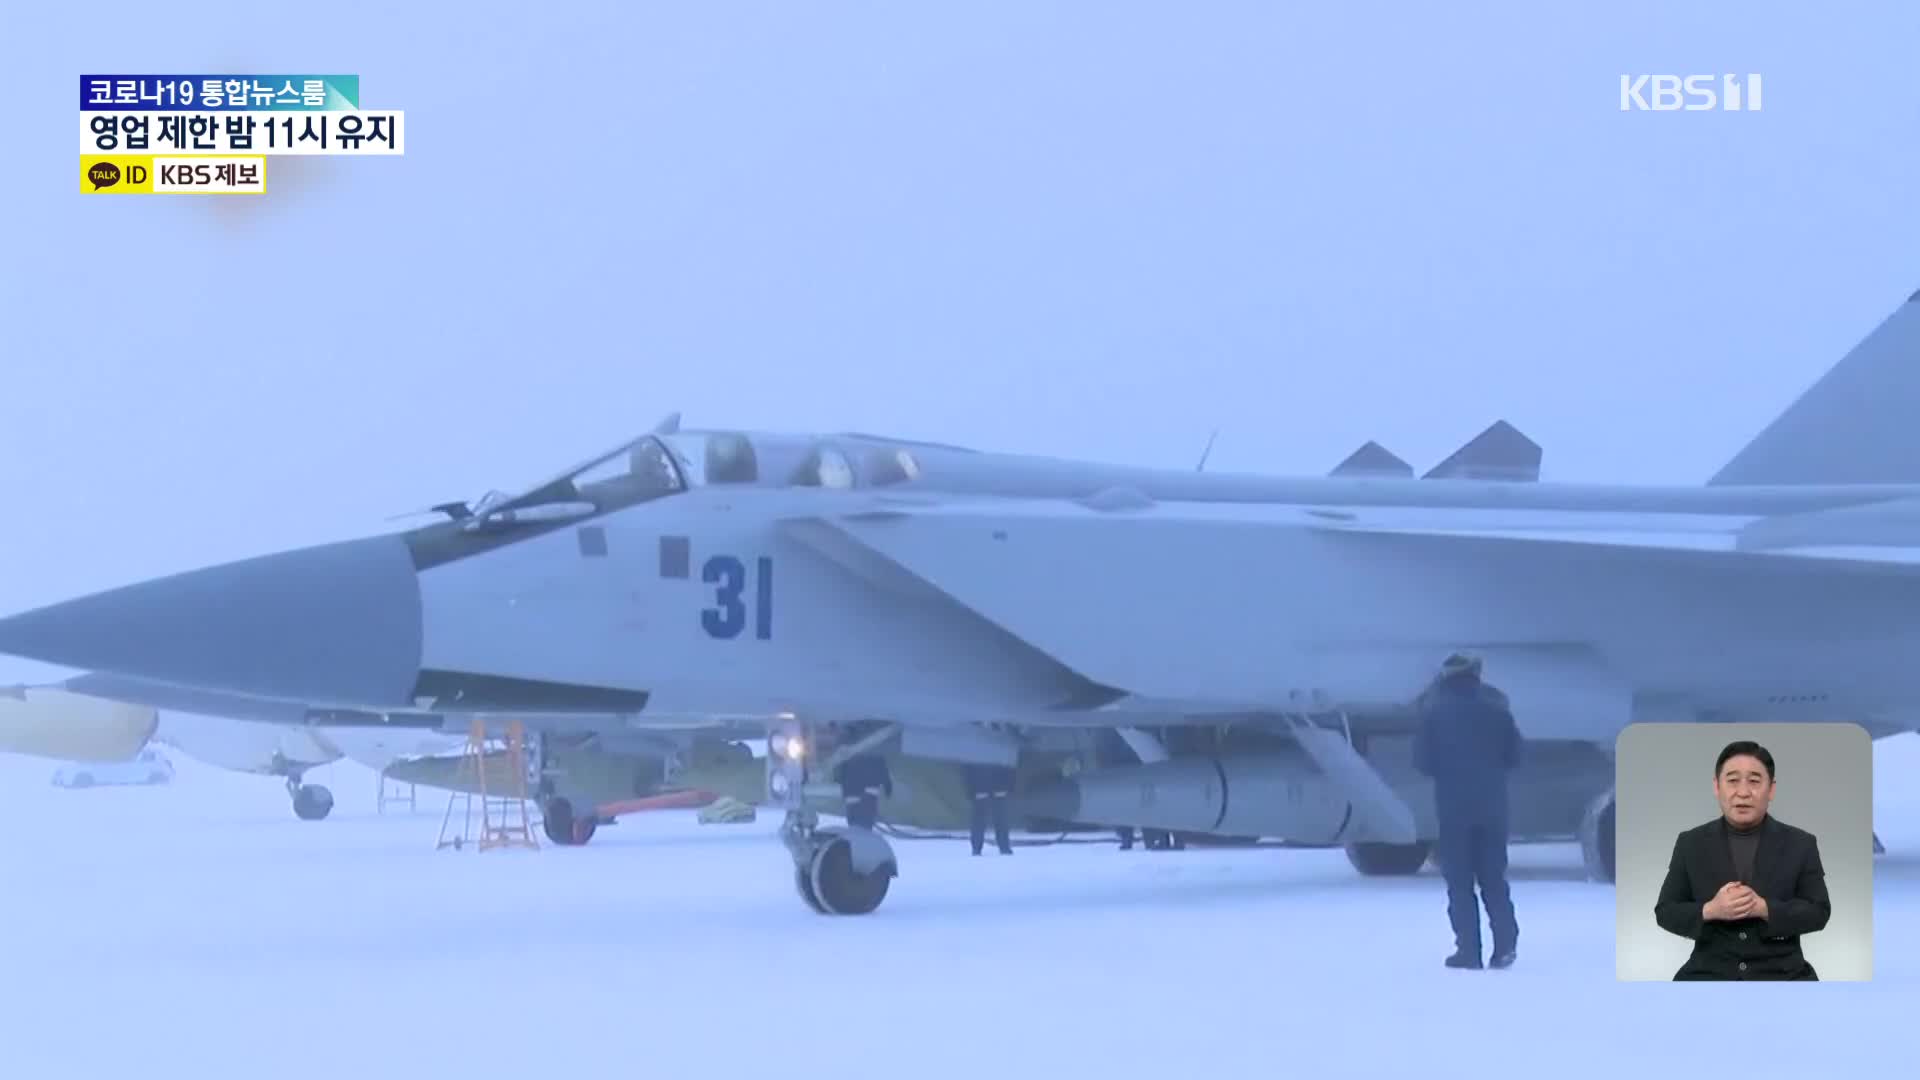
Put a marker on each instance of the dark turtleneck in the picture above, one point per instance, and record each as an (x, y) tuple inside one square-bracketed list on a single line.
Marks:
[(1744, 843)]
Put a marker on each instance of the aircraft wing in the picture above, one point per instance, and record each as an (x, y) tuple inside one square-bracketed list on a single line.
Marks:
[(1148, 597), (1874, 537), (1879, 533)]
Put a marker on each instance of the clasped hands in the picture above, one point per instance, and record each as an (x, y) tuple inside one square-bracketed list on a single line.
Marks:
[(1735, 900)]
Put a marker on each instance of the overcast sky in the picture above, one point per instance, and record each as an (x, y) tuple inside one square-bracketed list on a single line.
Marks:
[(1086, 229)]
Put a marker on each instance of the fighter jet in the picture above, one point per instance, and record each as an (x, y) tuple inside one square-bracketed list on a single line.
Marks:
[(582, 782), (601, 785), (52, 722), (264, 748), (77, 722), (971, 598), (579, 781)]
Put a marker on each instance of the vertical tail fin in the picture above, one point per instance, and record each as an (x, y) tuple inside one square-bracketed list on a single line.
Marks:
[(1372, 459), (1857, 424), (1499, 453)]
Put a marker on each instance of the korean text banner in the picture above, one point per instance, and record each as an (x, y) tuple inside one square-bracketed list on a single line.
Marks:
[(354, 132), (251, 93)]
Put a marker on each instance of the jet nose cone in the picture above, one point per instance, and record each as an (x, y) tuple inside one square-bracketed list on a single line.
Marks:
[(335, 623)]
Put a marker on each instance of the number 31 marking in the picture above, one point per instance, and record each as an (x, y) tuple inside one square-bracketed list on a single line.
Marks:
[(728, 617)]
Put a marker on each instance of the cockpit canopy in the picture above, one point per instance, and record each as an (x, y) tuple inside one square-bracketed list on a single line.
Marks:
[(770, 460), (630, 474), (656, 465)]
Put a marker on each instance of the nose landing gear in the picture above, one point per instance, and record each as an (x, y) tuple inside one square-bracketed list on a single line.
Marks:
[(839, 869)]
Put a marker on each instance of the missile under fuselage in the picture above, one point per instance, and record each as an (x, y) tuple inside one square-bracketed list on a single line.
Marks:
[(1279, 793)]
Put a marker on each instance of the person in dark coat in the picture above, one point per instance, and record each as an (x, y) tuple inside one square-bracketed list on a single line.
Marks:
[(863, 778), (1746, 886), (990, 786), (1468, 742)]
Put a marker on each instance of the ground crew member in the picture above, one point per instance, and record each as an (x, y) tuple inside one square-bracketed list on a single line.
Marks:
[(990, 786), (863, 778), (1126, 837), (1468, 742)]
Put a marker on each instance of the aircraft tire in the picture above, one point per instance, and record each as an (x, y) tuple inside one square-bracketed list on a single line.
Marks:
[(311, 802), (562, 827), (803, 881), (1388, 860), (840, 888), (1596, 839)]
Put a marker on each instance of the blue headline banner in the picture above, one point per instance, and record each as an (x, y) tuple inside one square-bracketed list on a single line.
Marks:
[(200, 93)]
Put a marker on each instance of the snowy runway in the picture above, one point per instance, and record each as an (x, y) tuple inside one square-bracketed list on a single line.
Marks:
[(198, 927)]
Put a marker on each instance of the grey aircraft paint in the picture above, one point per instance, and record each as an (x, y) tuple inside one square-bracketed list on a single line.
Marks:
[(840, 577)]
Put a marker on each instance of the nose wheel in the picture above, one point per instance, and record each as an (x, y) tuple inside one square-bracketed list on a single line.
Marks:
[(840, 870), (803, 883)]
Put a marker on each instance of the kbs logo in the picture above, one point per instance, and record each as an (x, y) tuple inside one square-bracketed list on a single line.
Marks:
[(1689, 93)]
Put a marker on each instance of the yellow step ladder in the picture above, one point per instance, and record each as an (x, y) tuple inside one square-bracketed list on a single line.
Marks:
[(506, 820)]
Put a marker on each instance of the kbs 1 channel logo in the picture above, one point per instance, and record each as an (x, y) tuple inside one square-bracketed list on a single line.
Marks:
[(213, 134)]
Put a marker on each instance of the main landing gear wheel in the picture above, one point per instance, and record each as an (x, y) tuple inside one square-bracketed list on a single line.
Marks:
[(1388, 860), (562, 827), (837, 871), (311, 802)]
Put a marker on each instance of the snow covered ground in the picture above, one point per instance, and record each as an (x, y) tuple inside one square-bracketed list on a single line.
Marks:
[(199, 929)]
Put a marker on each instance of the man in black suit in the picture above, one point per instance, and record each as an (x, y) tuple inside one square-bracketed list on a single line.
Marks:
[(1745, 886)]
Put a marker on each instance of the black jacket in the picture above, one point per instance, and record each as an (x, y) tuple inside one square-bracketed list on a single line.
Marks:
[(864, 772), (1788, 876), (990, 779), (1468, 742)]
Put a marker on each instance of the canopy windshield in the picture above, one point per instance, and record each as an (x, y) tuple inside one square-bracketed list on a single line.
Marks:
[(631, 473), (770, 460)]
